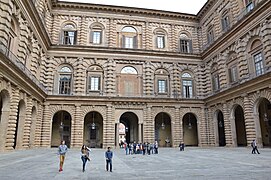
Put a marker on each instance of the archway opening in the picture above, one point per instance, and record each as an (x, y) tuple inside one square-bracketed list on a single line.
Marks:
[(221, 128), (190, 130), (32, 127), (93, 130), (265, 121), (123, 129), (61, 128), (130, 120), (18, 136), (4, 116), (240, 126), (163, 130)]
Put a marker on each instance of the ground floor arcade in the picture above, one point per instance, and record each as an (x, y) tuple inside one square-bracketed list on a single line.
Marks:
[(26, 123)]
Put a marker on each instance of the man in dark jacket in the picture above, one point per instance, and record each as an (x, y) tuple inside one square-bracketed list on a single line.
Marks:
[(108, 157)]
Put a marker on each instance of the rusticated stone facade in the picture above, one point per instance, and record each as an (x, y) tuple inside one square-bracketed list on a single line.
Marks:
[(75, 71)]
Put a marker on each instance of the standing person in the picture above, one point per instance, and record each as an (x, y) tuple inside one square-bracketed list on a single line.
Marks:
[(181, 146), (62, 149), (254, 147), (85, 156), (108, 157), (156, 147)]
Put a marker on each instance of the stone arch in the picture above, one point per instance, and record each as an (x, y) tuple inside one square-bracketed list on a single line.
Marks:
[(19, 131), (98, 109), (33, 124), (93, 129), (61, 127), (239, 128), (156, 30), (262, 113), (131, 121), (4, 115), (163, 129), (219, 123), (190, 129)]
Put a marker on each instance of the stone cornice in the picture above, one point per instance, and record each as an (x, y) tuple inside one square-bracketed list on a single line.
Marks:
[(205, 8), (38, 25), (236, 29), (122, 10), (120, 51)]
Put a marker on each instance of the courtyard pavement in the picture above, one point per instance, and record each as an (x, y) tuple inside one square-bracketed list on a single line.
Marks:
[(169, 164)]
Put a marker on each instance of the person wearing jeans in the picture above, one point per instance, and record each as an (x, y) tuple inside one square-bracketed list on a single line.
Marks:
[(85, 156), (108, 157)]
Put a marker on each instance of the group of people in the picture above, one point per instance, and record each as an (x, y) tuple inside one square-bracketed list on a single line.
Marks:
[(131, 148), (62, 150), (140, 148)]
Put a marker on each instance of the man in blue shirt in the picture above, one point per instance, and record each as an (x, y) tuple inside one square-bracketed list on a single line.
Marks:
[(109, 156)]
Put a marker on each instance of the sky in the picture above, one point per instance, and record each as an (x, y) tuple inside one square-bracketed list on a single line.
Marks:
[(183, 6)]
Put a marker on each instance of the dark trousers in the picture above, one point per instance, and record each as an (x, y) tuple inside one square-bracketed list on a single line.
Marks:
[(84, 159), (255, 149), (109, 162)]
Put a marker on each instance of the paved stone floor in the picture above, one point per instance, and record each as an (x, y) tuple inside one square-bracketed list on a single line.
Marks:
[(169, 164)]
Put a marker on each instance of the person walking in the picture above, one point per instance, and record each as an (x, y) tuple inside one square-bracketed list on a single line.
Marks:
[(85, 156), (108, 157), (254, 147), (62, 149)]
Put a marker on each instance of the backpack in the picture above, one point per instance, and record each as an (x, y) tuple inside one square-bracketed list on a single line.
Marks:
[(251, 144)]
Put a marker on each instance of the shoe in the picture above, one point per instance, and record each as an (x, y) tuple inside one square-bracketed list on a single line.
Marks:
[(111, 171), (60, 169)]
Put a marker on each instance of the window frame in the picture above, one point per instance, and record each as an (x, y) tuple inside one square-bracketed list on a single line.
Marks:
[(66, 37), (187, 91), (94, 71), (210, 35), (185, 43), (63, 88)]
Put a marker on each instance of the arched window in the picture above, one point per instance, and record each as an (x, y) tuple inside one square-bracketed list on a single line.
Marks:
[(65, 79), (129, 37), (69, 34), (187, 83), (128, 70), (95, 79), (96, 34), (257, 57), (162, 82), (160, 39), (185, 44)]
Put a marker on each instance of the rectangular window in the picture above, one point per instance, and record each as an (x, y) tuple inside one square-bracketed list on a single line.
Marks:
[(187, 89), (249, 5), (69, 37), (162, 86), (129, 42), (160, 41), (65, 84), (210, 36), (97, 37), (184, 46), (94, 83), (233, 74), (258, 60), (216, 85), (225, 23)]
